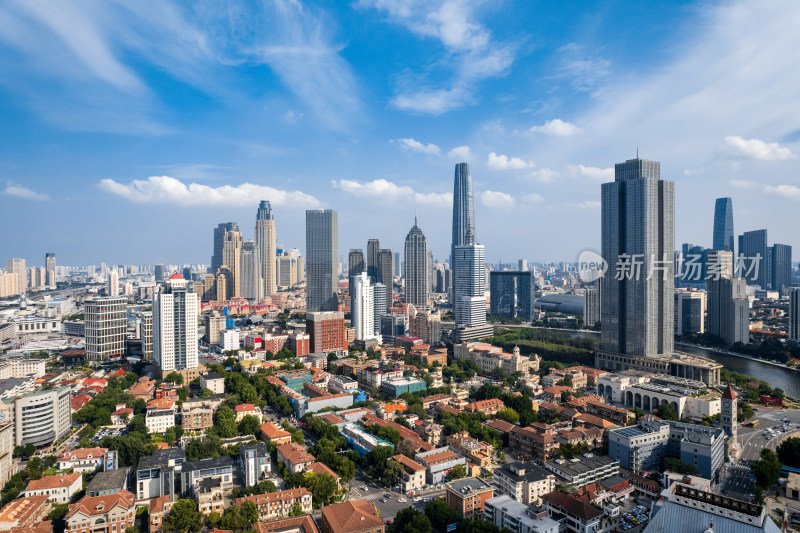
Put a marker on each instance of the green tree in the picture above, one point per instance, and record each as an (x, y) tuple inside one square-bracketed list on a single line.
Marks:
[(457, 472), (174, 377), (441, 515), (226, 422), (375, 460), (297, 509), (509, 415), (57, 514), (789, 452), (667, 411), (183, 517), (250, 425), (249, 513), (206, 394), (385, 433), (322, 487), (409, 520), (266, 487), (393, 473), (767, 470), (132, 529)]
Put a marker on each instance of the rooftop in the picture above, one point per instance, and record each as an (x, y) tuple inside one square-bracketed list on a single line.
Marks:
[(580, 465), (469, 486), (519, 472), (53, 482), (352, 515)]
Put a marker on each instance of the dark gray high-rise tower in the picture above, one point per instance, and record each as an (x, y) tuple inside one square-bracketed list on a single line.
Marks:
[(723, 224), (373, 247), (753, 246), (638, 229), (322, 254), (416, 268), (219, 239), (355, 266), (386, 273)]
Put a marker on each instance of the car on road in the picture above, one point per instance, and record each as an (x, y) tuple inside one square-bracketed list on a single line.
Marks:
[(387, 496), (383, 500), (402, 500), (417, 499), (364, 487)]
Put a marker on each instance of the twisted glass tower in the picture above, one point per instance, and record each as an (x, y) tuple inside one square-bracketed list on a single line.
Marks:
[(723, 224)]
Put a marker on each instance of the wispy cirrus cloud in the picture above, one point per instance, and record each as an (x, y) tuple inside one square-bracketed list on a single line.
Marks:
[(503, 162), (469, 47), (599, 175), (166, 189), (556, 127), (386, 191), (416, 146), (23, 192), (758, 149)]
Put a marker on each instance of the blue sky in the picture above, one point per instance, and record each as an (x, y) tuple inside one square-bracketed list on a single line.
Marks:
[(131, 129)]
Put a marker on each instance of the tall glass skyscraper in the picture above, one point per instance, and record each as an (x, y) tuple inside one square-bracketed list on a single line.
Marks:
[(219, 240), (416, 268), (322, 252), (723, 224), (266, 248), (469, 284), (638, 228), (463, 207), (753, 246), (355, 266)]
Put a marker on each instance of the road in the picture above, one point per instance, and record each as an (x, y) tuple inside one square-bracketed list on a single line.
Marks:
[(735, 480)]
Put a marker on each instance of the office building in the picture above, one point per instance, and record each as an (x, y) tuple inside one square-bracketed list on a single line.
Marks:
[(254, 463), (469, 284), (158, 272), (373, 248), (637, 223), (50, 268), (511, 294), (17, 266), (286, 271), (508, 514), (146, 334), (642, 447), (463, 208), (386, 273), (321, 260), (753, 246), (7, 442), (327, 331), (252, 285), (591, 306), (794, 314), (219, 239), (380, 304), (355, 266), (175, 328), (9, 285), (426, 325), (723, 224), (728, 305), (690, 311), (231, 259), (215, 324), (392, 327), (105, 327), (265, 237), (416, 268), (468, 495), (781, 263), (362, 305), (42, 417)]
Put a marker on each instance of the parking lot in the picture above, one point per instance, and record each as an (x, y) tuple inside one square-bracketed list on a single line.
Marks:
[(637, 517), (109, 432)]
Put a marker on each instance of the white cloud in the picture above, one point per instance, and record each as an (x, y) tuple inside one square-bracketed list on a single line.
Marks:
[(788, 191), (557, 127), (388, 192), (23, 192), (165, 189), (545, 174), (469, 46), (497, 199), (582, 68), (532, 198), (416, 146), (462, 153), (503, 162), (600, 175), (588, 204), (758, 149), (292, 116), (743, 184)]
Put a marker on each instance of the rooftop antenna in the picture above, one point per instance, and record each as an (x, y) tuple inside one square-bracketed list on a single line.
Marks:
[(637, 151)]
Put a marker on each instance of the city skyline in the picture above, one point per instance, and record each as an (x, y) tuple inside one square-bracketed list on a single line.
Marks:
[(106, 127)]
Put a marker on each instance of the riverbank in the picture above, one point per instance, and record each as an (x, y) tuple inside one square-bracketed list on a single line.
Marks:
[(737, 354)]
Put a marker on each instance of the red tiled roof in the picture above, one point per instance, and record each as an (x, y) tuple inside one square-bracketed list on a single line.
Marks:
[(83, 453), (53, 482), (176, 276), (93, 505)]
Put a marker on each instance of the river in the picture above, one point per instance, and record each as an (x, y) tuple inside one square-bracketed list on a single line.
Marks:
[(783, 378)]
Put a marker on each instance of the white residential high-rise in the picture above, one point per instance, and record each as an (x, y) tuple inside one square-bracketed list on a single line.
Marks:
[(794, 314), (113, 283), (105, 326), (175, 326), (50, 266), (363, 307), (265, 246)]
